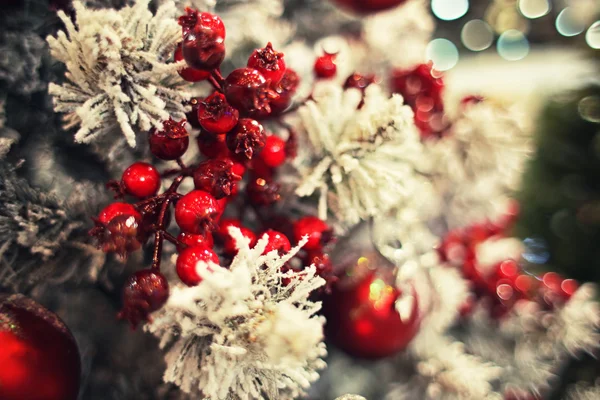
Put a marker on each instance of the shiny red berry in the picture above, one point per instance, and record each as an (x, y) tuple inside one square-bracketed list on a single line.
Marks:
[(286, 88), (170, 143), (192, 116), (215, 115), (187, 263), (122, 235), (229, 245), (273, 154), (212, 146), (325, 66), (117, 209), (144, 292), (268, 62), (247, 90), (190, 239), (203, 39), (195, 20), (318, 232), (276, 241), (262, 192), (141, 180), (197, 212), (359, 81), (188, 73), (247, 138), (216, 177)]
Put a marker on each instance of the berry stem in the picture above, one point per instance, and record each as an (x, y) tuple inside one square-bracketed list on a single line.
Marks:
[(213, 81), (181, 164), (173, 239), (157, 252)]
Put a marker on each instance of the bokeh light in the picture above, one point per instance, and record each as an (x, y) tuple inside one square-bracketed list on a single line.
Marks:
[(592, 36), (589, 108), (534, 8), (568, 24), (512, 45), (477, 35), (449, 10), (443, 53)]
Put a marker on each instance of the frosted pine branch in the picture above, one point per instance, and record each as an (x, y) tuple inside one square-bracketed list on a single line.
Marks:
[(118, 70), (243, 333), (360, 161)]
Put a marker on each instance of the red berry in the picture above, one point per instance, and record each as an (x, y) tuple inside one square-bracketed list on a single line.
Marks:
[(318, 232), (144, 292), (286, 88), (170, 143), (222, 203), (187, 263), (268, 62), (197, 212), (122, 235), (323, 266), (247, 90), (141, 180), (224, 225), (359, 81), (229, 245), (192, 116), (273, 154), (212, 146), (117, 209), (216, 115), (247, 138), (189, 74), (190, 239), (201, 20), (325, 66), (216, 177), (365, 7), (262, 192), (276, 241)]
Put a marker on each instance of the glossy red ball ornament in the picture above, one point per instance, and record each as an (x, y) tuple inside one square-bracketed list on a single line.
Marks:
[(197, 212), (187, 262), (39, 358), (276, 241), (247, 90), (273, 154), (190, 239), (325, 66), (216, 177), (141, 180), (171, 142), (364, 7), (363, 319), (246, 139), (268, 62), (118, 209), (189, 74), (144, 292), (215, 115), (318, 232)]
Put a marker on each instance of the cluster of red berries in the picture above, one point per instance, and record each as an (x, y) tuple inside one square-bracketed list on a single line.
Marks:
[(238, 153), (422, 89), (506, 282)]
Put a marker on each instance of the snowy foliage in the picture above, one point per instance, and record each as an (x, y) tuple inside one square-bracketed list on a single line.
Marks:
[(118, 70), (22, 55), (361, 161), (480, 162), (583, 391), (243, 333)]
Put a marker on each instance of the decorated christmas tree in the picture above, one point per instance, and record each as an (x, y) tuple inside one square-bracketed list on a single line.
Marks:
[(260, 199)]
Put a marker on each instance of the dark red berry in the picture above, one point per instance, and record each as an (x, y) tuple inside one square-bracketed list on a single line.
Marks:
[(117, 209), (144, 292), (215, 115), (247, 90), (212, 146), (122, 235), (286, 88), (197, 212), (227, 240), (247, 138), (216, 177), (276, 241), (323, 266), (188, 73), (190, 239), (268, 62), (262, 192), (359, 81), (170, 143), (141, 180), (325, 66), (318, 232), (273, 154), (192, 116), (187, 263), (194, 20), (224, 226)]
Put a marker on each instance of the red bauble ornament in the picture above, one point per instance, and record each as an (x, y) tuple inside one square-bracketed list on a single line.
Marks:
[(189, 74), (273, 154), (197, 212), (187, 262), (39, 358), (144, 292), (215, 115), (276, 241), (247, 138), (368, 6), (141, 180), (216, 177), (318, 232), (268, 62), (325, 66), (171, 142)]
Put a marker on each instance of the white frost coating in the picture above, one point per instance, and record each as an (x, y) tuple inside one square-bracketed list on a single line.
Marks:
[(242, 333), (584, 391), (362, 161), (481, 161), (118, 70)]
